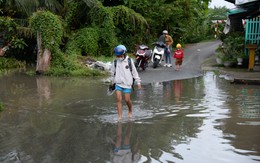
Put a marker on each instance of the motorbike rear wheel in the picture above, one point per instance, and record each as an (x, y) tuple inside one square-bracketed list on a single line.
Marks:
[(156, 63), (145, 65), (138, 64)]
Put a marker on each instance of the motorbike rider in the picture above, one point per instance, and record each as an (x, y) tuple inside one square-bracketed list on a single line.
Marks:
[(167, 39), (162, 37), (122, 77), (168, 49)]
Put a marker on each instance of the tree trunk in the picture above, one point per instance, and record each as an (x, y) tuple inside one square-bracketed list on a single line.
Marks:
[(44, 90), (46, 59), (43, 56)]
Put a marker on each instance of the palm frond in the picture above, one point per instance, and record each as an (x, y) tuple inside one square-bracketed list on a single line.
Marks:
[(129, 15), (27, 6), (24, 31)]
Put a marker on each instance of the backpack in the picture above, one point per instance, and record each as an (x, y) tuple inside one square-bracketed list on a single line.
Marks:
[(130, 66), (129, 63)]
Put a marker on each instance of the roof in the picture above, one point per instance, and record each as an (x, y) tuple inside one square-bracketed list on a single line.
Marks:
[(231, 1), (236, 11), (246, 10)]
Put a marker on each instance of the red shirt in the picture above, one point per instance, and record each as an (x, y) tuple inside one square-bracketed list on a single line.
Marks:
[(178, 54)]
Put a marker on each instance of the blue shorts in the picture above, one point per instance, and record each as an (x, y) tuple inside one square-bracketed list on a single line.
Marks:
[(124, 90)]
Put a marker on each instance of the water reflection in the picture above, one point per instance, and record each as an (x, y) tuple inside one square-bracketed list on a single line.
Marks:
[(44, 89), (123, 152), (177, 89), (249, 103), (207, 119)]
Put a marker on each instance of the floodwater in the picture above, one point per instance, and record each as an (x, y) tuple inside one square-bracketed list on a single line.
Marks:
[(72, 120)]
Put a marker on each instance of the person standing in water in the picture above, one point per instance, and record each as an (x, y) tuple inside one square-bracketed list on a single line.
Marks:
[(124, 74)]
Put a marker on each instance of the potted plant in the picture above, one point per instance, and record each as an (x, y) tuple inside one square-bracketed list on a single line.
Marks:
[(229, 61), (219, 58), (234, 48), (219, 55), (240, 57)]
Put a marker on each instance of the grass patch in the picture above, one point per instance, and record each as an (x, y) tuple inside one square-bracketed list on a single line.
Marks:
[(216, 72), (110, 59), (104, 59), (218, 65), (11, 63)]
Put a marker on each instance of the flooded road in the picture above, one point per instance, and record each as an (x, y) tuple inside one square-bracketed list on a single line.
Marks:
[(199, 120)]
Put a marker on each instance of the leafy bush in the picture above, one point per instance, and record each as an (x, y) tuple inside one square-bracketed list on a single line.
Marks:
[(233, 46), (9, 33), (9, 63), (49, 26), (234, 42), (62, 65), (84, 41)]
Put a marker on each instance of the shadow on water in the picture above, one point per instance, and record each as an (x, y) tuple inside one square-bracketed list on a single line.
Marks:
[(205, 119)]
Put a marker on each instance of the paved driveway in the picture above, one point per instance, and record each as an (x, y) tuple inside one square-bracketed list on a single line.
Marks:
[(194, 55)]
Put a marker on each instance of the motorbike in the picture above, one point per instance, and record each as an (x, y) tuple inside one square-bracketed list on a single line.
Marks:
[(143, 55), (158, 53)]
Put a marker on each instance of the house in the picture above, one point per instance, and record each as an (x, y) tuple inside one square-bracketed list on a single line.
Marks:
[(246, 16)]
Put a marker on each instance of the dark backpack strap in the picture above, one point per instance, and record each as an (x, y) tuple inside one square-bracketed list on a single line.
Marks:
[(131, 68), (130, 64), (115, 61)]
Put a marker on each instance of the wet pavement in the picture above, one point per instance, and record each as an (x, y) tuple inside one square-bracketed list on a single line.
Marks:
[(198, 58), (194, 56), (234, 75)]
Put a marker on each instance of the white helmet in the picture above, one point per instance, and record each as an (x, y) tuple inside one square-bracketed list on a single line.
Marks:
[(165, 32)]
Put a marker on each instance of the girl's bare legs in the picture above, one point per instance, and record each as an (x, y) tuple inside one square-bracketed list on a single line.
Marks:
[(129, 104), (119, 104), (178, 67), (128, 134), (118, 135)]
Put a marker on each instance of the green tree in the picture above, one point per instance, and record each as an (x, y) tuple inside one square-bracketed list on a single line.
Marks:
[(217, 13), (48, 28), (20, 11), (94, 27)]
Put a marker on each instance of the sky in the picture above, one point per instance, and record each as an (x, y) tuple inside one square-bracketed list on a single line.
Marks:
[(221, 3)]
